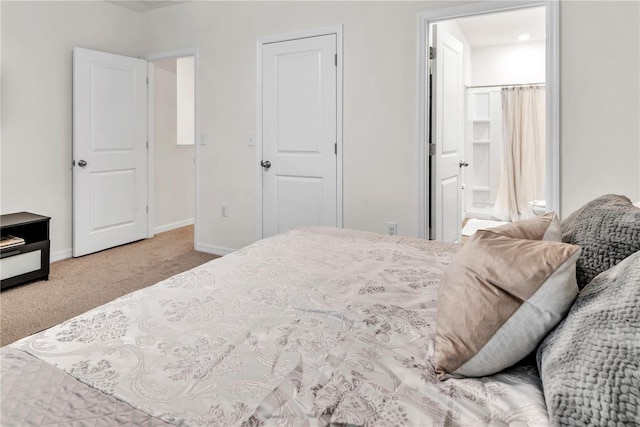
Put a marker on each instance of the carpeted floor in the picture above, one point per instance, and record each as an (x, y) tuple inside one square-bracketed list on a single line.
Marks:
[(78, 284)]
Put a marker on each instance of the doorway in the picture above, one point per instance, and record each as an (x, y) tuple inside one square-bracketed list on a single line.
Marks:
[(114, 172), (453, 17), (505, 115), (174, 140)]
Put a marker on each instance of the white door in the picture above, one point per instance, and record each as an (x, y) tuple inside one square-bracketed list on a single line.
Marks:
[(447, 112), (299, 126), (109, 150)]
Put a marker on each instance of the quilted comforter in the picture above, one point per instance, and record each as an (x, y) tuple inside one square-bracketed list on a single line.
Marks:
[(315, 326)]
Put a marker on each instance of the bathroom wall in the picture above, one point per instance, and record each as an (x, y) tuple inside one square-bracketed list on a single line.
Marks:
[(516, 63)]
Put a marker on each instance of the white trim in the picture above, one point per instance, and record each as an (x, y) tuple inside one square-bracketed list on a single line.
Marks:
[(173, 226), (552, 152), (258, 140), (178, 53), (339, 128), (215, 250), (60, 255), (151, 138), (195, 52), (303, 34), (338, 31), (552, 92)]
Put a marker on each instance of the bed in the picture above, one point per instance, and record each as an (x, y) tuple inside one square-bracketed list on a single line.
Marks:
[(315, 326)]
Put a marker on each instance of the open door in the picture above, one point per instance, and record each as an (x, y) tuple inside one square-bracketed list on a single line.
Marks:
[(447, 137), (109, 150)]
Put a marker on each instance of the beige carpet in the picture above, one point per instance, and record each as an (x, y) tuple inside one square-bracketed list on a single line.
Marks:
[(79, 284)]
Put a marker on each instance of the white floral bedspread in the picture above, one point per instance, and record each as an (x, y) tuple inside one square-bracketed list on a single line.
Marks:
[(312, 327)]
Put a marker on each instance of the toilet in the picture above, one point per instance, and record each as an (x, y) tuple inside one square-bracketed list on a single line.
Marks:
[(539, 207)]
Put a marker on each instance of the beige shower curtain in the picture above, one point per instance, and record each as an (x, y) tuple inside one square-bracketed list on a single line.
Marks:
[(522, 178)]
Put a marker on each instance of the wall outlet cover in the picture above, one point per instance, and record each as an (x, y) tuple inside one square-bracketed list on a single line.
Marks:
[(392, 228)]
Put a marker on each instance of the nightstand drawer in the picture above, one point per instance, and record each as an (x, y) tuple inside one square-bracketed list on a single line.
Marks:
[(20, 264)]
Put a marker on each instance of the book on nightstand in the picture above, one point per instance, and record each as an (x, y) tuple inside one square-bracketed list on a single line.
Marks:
[(10, 241)]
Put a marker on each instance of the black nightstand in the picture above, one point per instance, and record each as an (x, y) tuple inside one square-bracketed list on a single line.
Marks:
[(28, 261)]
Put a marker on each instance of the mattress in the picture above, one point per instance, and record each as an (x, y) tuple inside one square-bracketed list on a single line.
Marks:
[(310, 327)]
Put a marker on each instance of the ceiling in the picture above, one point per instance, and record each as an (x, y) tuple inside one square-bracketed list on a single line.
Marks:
[(144, 5), (504, 27)]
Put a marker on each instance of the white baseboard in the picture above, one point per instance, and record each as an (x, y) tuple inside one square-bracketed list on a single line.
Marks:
[(215, 250), (173, 226), (60, 255)]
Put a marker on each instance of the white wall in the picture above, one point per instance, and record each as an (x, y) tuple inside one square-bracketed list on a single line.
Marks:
[(173, 164), (599, 101), (37, 41), (515, 63), (380, 172), (380, 60)]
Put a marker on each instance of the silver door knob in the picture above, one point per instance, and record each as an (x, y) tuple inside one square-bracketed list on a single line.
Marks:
[(463, 164), (82, 163), (266, 164)]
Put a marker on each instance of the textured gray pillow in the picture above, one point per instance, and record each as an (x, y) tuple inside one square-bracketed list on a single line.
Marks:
[(607, 229), (590, 364)]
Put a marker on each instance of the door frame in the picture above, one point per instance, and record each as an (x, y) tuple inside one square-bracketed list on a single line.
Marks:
[(152, 57), (425, 19), (260, 42)]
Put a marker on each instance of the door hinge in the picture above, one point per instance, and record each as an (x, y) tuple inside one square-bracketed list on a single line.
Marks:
[(147, 145), (432, 52), (432, 149), (147, 80), (147, 209), (335, 147), (335, 59)]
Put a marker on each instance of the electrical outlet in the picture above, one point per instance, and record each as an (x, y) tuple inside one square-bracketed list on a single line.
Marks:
[(392, 228), (223, 210)]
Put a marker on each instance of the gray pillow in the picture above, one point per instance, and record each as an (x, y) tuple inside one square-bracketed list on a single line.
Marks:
[(590, 364), (607, 229)]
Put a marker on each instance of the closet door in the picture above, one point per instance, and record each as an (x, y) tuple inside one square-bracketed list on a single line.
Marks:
[(299, 134)]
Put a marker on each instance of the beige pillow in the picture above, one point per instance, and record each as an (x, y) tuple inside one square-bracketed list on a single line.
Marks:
[(500, 297), (543, 227)]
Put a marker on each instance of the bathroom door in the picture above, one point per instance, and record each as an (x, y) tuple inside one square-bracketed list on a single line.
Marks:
[(447, 137)]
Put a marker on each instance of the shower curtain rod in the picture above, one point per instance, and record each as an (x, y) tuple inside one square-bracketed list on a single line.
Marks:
[(513, 85)]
